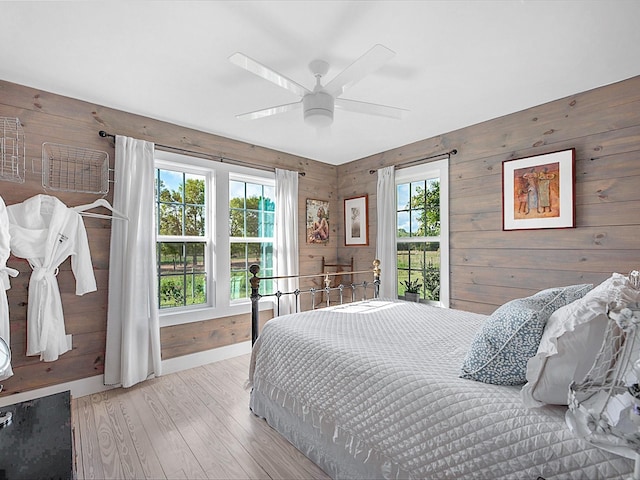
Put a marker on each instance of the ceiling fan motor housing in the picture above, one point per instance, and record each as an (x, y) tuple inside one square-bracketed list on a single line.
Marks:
[(318, 108)]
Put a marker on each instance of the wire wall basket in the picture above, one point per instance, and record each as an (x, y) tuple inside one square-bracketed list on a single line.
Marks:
[(74, 169), (12, 150)]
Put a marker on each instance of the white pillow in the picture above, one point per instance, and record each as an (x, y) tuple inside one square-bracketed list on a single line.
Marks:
[(571, 340)]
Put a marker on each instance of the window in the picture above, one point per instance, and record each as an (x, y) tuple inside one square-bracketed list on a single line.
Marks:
[(422, 230), (251, 219), (213, 221), (182, 238)]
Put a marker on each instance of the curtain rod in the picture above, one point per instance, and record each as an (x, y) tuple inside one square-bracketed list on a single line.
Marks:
[(420, 160), (231, 161)]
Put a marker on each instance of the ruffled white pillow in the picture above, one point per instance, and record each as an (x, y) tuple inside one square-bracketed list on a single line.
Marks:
[(571, 340)]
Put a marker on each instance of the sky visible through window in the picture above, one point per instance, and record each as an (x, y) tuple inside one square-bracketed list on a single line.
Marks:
[(403, 203), (236, 190), (172, 180)]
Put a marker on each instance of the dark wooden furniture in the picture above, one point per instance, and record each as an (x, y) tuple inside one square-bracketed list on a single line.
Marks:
[(37, 444)]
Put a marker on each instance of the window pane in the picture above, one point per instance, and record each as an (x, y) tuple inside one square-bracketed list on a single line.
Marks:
[(236, 194), (417, 194), (171, 257), (432, 222), (253, 253), (403, 224), (254, 191), (196, 289), (251, 213), (171, 291), (238, 256), (403, 196), (194, 260), (267, 225), (170, 219), (269, 196), (180, 202), (433, 193), (252, 221), (170, 185), (181, 274), (416, 223), (194, 220), (194, 189), (420, 261), (266, 256), (243, 255), (236, 223), (239, 285)]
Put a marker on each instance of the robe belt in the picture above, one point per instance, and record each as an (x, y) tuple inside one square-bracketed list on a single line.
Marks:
[(12, 272), (5, 273), (40, 272)]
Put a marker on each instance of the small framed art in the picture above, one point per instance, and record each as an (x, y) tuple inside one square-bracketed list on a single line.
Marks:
[(539, 191), (356, 221), (317, 221)]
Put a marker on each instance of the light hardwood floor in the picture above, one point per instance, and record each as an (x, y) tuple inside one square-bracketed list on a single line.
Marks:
[(190, 424)]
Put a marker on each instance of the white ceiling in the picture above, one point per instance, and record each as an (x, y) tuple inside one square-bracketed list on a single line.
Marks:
[(457, 63)]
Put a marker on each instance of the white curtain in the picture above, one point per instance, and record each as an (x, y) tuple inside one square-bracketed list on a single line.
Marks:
[(286, 236), (133, 327), (386, 236), (5, 273)]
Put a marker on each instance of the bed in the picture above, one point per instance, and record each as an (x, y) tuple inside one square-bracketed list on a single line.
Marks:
[(372, 389)]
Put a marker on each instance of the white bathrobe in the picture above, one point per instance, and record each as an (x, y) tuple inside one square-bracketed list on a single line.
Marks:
[(45, 232), (4, 281)]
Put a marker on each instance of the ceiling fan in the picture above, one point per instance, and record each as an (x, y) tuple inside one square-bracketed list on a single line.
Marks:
[(318, 104)]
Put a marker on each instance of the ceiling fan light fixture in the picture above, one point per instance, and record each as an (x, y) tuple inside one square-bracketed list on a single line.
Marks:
[(318, 105), (318, 109)]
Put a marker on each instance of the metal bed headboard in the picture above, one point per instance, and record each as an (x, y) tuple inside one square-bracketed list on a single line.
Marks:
[(353, 287)]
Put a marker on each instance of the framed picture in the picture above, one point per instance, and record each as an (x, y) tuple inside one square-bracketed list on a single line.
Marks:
[(317, 221), (355, 221), (539, 191)]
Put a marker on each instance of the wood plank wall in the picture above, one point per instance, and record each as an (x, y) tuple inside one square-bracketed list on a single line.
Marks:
[(490, 266), (47, 117)]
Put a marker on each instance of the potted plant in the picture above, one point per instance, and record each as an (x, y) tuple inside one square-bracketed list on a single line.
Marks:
[(412, 290)]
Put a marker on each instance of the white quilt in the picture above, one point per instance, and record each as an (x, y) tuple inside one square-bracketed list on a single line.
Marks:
[(371, 390)]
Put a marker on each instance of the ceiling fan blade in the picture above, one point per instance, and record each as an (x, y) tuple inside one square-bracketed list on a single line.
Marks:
[(266, 112), (370, 108), (363, 66), (248, 63)]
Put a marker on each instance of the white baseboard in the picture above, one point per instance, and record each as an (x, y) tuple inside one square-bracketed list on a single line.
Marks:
[(79, 388), (90, 385)]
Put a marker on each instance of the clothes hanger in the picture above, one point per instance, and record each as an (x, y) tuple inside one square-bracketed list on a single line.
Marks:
[(101, 202)]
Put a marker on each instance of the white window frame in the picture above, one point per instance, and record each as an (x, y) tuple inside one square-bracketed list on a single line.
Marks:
[(437, 169), (217, 250)]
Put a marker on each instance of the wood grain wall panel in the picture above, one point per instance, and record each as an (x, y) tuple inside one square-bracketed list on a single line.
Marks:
[(47, 117), (521, 278), (599, 237), (179, 340), (603, 125), (545, 259), (66, 369)]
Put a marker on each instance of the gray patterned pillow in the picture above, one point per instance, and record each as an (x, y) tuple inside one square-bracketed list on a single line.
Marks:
[(511, 335)]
